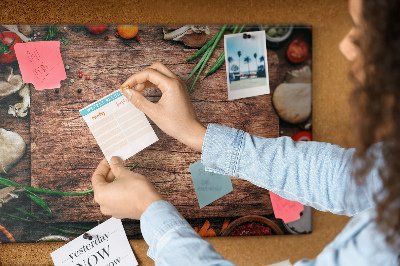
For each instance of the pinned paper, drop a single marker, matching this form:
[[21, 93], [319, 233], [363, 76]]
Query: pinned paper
[[107, 245], [118, 126], [41, 64], [284, 209], [209, 186]]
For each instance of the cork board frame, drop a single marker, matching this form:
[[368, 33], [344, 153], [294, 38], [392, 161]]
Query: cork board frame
[[330, 99]]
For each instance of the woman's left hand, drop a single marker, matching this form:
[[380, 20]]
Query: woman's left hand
[[128, 197]]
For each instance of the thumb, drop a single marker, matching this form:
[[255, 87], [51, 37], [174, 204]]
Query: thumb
[[139, 101], [116, 166]]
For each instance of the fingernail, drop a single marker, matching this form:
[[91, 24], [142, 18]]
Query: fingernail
[[115, 160], [128, 93]]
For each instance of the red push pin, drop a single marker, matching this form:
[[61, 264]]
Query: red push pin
[[87, 77], [80, 75]]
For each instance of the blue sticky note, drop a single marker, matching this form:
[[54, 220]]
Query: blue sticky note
[[209, 186]]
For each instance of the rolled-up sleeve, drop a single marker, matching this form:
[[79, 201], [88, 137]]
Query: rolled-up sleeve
[[313, 173], [172, 241]]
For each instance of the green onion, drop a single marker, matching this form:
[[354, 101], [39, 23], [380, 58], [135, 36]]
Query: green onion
[[210, 51], [9, 183], [204, 48], [133, 167], [21, 210], [38, 200], [30, 221], [199, 64], [62, 193], [221, 59]]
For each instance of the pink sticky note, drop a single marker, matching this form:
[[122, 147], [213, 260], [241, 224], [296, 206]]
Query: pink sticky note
[[41, 64], [284, 209]]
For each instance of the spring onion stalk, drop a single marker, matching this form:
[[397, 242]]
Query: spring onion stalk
[[210, 52]]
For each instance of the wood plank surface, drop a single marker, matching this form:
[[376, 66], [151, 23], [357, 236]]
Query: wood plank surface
[[65, 154]]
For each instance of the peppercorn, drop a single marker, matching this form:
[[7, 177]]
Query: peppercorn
[[57, 90], [79, 90]]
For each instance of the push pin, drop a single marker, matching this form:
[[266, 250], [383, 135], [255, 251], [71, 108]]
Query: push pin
[[125, 88], [88, 236], [246, 36]]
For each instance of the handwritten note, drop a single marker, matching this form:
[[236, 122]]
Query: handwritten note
[[209, 186], [108, 246], [118, 126], [284, 209], [41, 64]]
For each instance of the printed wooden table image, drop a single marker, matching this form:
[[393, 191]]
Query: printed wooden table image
[[61, 152]]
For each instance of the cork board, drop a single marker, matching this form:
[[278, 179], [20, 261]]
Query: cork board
[[330, 98]]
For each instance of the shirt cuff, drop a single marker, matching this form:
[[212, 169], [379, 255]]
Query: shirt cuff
[[221, 149], [159, 218]]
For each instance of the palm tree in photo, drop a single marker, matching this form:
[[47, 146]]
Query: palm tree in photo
[[239, 54], [262, 59], [255, 57], [230, 60], [247, 60]]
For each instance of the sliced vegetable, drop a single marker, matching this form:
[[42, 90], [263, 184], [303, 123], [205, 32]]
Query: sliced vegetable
[[8, 40], [204, 228], [302, 136]]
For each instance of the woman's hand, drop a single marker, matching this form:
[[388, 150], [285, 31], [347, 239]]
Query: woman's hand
[[127, 197], [173, 113]]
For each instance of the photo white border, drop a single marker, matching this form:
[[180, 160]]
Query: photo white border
[[247, 92]]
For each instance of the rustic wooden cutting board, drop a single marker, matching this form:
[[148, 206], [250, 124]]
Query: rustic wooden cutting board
[[65, 154]]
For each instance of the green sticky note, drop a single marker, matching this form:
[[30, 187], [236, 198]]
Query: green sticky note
[[209, 186]]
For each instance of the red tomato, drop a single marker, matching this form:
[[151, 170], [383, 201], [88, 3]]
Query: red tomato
[[96, 29], [7, 52], [297, 51], [302, 135]]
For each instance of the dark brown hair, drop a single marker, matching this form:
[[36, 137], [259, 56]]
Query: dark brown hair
[[375, 105]]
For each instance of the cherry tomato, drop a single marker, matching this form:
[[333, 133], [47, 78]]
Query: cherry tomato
[[297, 51], [302, 135], [96, 29], [7, 52]]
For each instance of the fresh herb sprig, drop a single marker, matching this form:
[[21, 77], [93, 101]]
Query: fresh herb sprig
[[53, 33]]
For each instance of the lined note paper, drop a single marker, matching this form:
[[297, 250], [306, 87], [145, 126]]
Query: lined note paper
[[118, 126]]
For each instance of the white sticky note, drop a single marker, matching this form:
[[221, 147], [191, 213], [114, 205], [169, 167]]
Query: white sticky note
[[118, 126], [109, 246]]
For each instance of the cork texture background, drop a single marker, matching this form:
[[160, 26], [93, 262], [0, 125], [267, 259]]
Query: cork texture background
[[331, 113]]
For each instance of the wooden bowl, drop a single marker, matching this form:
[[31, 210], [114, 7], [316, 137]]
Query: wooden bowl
[[252, 218]]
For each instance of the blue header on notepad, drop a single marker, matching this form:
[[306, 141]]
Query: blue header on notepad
[[100, 103]]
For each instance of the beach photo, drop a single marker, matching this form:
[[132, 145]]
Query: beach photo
[[247, 66]]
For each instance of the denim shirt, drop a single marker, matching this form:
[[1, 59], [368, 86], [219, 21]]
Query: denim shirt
[[312, 173]]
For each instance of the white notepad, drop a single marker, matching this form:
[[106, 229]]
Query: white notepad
[[118, 126]]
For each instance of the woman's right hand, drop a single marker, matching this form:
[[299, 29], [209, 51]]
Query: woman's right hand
[[173, 113]]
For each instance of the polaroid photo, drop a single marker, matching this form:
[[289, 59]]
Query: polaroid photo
[[246, 64]]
